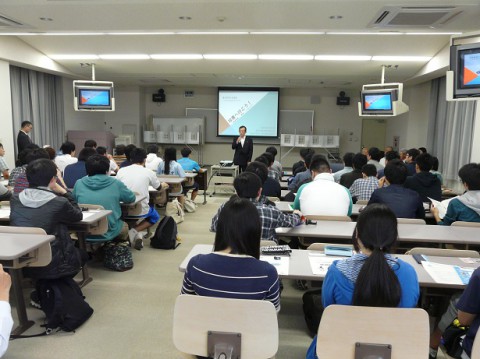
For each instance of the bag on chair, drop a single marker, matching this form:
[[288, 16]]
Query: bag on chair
[[165, 236], [190, 206], [175, 210]]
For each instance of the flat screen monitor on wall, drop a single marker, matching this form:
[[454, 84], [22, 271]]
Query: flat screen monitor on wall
[[93, 96], [255, 108], [465, 64], [378, 102]]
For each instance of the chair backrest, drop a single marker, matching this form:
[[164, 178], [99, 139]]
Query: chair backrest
[[44, 255], [411, 221], [321, 246], [194, 316], [466, 224], [440, 252], [476, 348], [406, 330], [266, 243], [362, 201], [102, 226], [329, 218], [273, 199]]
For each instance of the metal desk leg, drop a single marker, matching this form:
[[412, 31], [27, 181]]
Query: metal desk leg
[[83, 245], [24, 323]]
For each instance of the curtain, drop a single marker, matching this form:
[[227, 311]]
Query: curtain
[[38, 97], [450, 131]]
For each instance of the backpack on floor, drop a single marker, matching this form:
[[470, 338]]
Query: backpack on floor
[[165, 236], [312, 309], [117, 256], [63, 303]]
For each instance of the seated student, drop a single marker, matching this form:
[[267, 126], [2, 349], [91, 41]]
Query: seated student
[[422, 150], [403, 154], [119, 155], [276, 166], [128, 150], [301, 177], [300, 165], [426, 184], [372, 277], [6, 320], [234, 270], [270, 187], [435, 171], [374, 156], [137, 178], [248, 185], [323, 196], [90, 144], [410, 160], [67, 157], [47, 205], [100, 188], [347, 166], [21, 181], [271, 173], [465, 307], [51, 152], [101, 150], [404, 202], [192, 166], [358, 161], [362, 188], [153, 160], [467, 206], [3, 165], [389, 156], [72, 173], [21, 167], [384, 159]]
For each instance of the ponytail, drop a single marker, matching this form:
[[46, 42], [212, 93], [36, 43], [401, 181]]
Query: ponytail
[[377, 285]]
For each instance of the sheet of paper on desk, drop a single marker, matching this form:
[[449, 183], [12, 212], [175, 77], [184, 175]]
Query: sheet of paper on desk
[[320, 263], [4, 213], [448, 274], [88, 214], [281, 263]]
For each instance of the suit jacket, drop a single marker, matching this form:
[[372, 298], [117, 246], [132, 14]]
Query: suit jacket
[[22, 141], [404, 202], [243, 154]]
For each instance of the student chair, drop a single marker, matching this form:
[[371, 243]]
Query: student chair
[[411, 221], [476, 348], [440, 252], [466, 224], [344, 330], [321, 246], [225, 328], [102, 225], [362, 202]]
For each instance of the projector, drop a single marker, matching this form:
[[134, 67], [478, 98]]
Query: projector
[[226, 163]]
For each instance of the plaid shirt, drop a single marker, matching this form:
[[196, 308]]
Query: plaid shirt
[[363, 188], [274, 174], [17, 171], [271, 218]]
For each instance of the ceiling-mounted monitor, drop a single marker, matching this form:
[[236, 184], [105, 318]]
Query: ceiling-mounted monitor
[[382, 100], [93, 96]]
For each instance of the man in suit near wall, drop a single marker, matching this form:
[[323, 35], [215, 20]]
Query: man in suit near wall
[[243, 147], [22, 139]]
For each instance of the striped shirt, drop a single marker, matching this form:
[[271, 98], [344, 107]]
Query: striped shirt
[[232, 276], [271, 218]]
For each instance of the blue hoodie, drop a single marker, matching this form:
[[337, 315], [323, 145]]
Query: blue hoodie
[[108, 192]]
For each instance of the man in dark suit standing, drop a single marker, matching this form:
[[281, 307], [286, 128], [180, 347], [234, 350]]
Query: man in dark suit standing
[[22, 139], [243, 147]]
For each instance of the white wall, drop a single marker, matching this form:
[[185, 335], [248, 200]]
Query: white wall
[[7, 137], [476, 136]]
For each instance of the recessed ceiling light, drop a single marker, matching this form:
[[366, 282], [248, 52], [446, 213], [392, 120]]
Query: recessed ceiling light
[[124, 57], [287, 33], [74, 57], [212, 33], [364, 33], [230, 57], [286, 57], [46, 19], [402, 58], [176, 56], [185, 18], [343, 58], [335, 17]]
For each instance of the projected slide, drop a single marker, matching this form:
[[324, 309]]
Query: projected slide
[[471, 69], [257, 110], [378, 102], [95, 98]]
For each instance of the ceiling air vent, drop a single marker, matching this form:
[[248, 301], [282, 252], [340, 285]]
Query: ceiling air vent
[[7, 22], [414, 16]]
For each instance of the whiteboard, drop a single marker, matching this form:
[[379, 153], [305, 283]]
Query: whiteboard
[[290, 121]]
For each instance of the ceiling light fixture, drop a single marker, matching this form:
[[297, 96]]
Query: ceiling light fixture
[[176, 56], [141, 33], [230, 57], [212, 33], [402, 58], [286, 57], [364, 33], [287, 33], [74, 57], [343, 58], [433, 33], [124, 57]]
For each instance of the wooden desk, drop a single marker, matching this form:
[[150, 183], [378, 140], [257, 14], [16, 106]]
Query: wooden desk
[[342, 232], [134, 208], [18, 251], [299, 266]]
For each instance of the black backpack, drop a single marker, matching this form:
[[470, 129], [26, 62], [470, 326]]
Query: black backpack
[[63, 303], [312, 310], [165, 236]]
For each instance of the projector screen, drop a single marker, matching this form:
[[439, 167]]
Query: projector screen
[[254, 108]]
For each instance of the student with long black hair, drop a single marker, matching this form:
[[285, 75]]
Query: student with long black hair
[[234, 270], [372, 276]]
